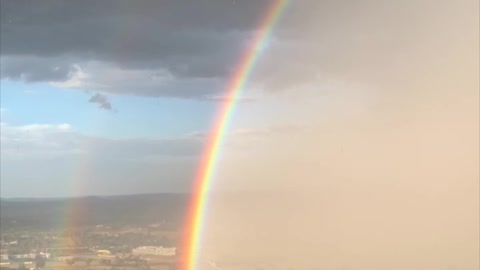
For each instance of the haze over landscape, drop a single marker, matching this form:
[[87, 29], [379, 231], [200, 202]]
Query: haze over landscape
[[354, 145]]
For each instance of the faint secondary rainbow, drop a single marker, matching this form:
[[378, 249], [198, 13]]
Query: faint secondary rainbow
[[206, 169]]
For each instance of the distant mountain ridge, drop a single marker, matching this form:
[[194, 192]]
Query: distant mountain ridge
[[91, 210], [88, 196]]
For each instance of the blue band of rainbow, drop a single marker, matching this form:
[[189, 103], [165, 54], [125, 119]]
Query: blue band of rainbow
[[206, 169]]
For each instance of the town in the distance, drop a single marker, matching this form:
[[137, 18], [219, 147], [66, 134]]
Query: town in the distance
[[117, 232]]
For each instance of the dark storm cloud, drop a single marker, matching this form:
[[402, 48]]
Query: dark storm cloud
[[190, 39], [390, 44], [102, 101], [35, 69], [196, 45]]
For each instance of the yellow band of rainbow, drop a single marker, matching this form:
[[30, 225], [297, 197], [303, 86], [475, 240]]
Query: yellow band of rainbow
[[206, 169]]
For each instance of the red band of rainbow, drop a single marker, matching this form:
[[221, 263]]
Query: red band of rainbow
[[206, 169]]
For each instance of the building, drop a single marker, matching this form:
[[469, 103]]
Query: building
[[103, 252], [152, 250], [45, 255], [25, 256]]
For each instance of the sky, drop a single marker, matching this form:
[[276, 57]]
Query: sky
[[359, 122], [114, 97], [101, 95]]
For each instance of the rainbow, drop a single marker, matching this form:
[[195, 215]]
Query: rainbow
[[206, 169]]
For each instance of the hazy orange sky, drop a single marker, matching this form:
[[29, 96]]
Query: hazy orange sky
[[386, 174]]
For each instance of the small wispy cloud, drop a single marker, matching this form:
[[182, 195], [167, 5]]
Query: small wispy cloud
[[102, 101], [251, 132], [226, 99]]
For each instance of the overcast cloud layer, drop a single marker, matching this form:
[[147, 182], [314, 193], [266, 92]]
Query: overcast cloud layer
[[189, 49], [169, 48]]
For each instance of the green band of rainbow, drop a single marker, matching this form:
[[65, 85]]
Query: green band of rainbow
[[206, 169]]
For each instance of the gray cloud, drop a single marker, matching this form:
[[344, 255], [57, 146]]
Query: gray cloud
[[102, 101], [107, 78], [226, 99], [35, 69], [56, 155], [189, 49], [393, 45], [40, 141], [191, 41]]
